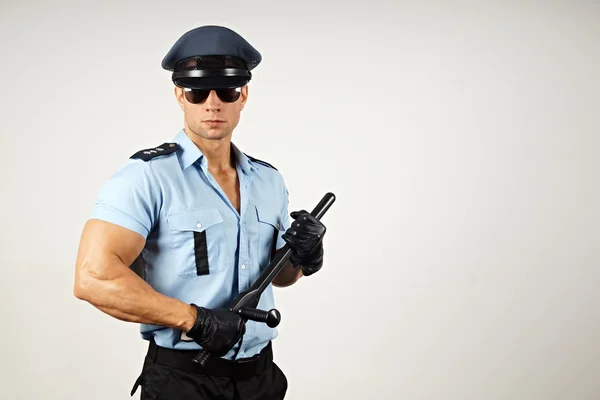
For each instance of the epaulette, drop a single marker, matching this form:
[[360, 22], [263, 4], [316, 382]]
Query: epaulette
[[163, 149], [256, 160]]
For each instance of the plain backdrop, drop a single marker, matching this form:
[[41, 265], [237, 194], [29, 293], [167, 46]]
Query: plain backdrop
[[461, 140]]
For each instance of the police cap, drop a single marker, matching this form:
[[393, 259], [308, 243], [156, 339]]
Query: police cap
[[211, 57]]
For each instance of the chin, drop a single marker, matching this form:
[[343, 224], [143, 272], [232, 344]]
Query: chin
[[215, 135], [211, 134]]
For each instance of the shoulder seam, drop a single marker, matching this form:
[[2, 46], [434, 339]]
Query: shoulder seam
[[261, 162]]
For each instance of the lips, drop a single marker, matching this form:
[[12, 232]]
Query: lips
[[213, 123]]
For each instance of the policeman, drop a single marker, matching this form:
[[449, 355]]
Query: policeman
[[182, 228]]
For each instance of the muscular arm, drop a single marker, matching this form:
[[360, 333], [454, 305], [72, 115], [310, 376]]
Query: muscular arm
[[103, 278]]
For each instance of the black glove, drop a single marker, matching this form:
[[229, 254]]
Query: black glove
[[305, 238], [217, 330]]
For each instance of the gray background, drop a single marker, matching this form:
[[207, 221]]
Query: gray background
[[461, 140]]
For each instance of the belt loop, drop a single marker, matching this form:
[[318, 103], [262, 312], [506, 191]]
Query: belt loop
[[152, 350]]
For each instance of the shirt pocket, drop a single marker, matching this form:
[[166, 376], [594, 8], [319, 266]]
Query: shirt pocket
[[199, 241], [269, 226]]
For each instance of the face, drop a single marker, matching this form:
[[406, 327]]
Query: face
[[212, 119]]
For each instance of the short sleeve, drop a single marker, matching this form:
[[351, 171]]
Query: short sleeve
[[130, 198], [285, 217]]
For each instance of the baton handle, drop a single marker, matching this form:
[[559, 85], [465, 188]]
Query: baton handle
[[271, 317], [202, 357]]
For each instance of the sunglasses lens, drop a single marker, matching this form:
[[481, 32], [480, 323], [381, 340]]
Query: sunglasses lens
[[196, 96], [229, 95]]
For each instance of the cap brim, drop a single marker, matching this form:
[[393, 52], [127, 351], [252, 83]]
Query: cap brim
[[213, 82]]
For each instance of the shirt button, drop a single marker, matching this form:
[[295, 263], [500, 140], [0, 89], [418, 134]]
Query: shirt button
[[198, 225], [243, 266]]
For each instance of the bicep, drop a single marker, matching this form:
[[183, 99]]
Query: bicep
[[106, 248]]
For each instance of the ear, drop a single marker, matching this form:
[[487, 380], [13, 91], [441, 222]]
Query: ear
[[244, 96], [179, 97]]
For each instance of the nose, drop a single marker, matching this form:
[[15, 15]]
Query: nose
[[212, 103]]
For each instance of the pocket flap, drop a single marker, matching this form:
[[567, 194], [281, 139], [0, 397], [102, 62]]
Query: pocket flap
[[267, 216], [194, 220]]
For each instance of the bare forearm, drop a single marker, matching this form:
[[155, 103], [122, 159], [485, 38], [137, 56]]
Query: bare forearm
[[129, 298], [288, 275]]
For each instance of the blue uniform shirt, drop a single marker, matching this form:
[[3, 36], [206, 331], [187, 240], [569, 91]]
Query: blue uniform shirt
[[199, 249]]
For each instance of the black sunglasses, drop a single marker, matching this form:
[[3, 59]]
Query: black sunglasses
[[198, 96]]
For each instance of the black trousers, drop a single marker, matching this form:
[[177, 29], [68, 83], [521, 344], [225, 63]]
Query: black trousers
[[172, 375]]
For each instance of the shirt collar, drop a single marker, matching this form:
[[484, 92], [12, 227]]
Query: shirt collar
[[191, 153], [242, 160]]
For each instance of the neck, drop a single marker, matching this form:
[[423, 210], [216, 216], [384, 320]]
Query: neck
[[217, 152]]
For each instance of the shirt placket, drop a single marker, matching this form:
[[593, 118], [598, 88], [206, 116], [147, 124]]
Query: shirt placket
[[244, 262]]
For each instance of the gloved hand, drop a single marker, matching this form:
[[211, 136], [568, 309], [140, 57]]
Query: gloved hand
[[217, 330], [305, 237]]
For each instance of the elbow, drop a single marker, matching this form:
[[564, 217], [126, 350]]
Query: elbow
[[89, 289], [86, 283], [81, 288]]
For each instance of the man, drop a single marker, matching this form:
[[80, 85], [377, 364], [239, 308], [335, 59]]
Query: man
[[184, 227]]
